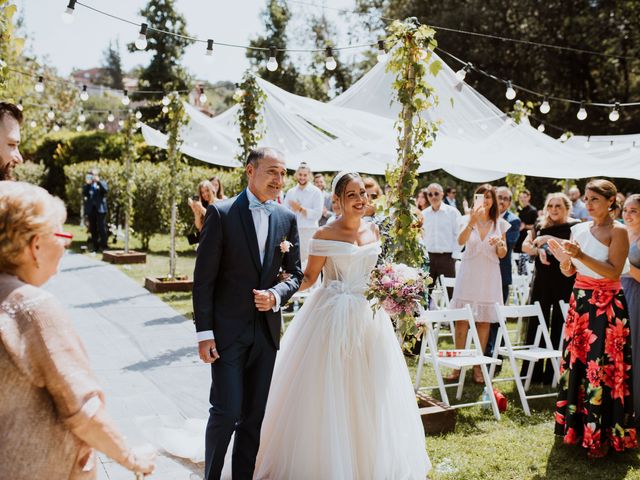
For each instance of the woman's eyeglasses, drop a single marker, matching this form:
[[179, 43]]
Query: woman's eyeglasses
[[433, 194]]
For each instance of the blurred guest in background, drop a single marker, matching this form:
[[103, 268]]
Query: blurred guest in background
[[319, 181], [218, 188], [528, 215], [422, 202], [51, 405], [206, 196], [450, 197], [94, 193], [578, 208]]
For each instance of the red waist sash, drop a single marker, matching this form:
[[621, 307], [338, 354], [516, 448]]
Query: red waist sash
[[589, 283]]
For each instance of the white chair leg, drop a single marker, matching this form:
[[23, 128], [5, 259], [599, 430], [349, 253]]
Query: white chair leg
[[423, 347], [441, 387], [492, 397], [521, 392], [463, 374], [556, 371], [530, 368]]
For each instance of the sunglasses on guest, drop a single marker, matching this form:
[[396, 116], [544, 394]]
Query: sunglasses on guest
[[65, 236], [433, 194]]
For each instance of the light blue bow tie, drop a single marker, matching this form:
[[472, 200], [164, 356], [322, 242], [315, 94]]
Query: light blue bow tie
[[268, 207]]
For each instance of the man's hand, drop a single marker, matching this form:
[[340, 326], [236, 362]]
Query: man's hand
[[264, 299], [295, 206], [208, 351]]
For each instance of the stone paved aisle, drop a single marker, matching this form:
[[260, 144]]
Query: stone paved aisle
[[142, 350]]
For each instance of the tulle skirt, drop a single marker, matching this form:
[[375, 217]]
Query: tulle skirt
[[341, 404]]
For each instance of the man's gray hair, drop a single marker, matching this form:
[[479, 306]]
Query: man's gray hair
[[435, 185], [258, 154], [504, 189]]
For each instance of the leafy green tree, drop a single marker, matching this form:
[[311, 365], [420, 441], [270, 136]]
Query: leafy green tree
[[112, 63], [276, 17]]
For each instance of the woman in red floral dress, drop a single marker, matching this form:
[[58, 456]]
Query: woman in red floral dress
[[595, 406]]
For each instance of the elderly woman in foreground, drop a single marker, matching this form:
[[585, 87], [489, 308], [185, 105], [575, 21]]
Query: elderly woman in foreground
[[51, 406]]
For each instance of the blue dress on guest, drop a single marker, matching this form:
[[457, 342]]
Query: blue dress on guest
[[631, 289]]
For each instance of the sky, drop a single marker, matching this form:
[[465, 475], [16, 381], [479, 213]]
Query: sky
[[81, 44]]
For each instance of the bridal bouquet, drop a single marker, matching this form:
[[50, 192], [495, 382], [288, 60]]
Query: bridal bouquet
[[401, 291]]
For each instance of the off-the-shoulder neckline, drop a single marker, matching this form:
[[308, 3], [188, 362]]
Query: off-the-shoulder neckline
[[346, 243]]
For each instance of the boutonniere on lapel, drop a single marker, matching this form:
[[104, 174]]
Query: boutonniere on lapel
[[285, 245]]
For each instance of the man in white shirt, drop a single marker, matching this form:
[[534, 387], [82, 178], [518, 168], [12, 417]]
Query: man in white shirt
[[440, 233], [327, 212], [306, 201]]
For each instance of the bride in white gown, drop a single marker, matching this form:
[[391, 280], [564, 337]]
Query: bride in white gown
[[341, 403]]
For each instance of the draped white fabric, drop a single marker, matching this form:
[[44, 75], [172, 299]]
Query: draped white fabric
[[475, 142]]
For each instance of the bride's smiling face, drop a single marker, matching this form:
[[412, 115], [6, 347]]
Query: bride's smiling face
[[354, 199]]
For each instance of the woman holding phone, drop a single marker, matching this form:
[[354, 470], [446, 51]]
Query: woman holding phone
[[478, 282]]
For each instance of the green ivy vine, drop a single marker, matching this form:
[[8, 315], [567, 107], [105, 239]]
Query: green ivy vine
[[411, 50]]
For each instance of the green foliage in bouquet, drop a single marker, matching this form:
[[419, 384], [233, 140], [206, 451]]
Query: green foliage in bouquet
[[411, 61]]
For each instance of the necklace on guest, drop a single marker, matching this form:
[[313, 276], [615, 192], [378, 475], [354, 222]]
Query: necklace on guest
[[484, 224]]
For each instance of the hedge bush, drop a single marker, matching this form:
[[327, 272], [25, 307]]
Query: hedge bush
[[150, 202], [31, 172]]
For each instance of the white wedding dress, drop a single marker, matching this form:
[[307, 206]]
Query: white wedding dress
[[341, 404]]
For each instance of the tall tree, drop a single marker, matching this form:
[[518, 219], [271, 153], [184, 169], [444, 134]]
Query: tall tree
[[112, 63], [276, 17], [164, 72]]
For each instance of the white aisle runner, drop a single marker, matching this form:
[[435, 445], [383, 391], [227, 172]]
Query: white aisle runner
[[142, 350]]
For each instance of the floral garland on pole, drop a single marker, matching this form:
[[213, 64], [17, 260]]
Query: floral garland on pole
[[129, 152], [251, 99], [411, 62], [516, 182], [176, 117]]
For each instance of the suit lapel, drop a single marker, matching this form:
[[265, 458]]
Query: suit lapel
[[249, 228], [271, 239]]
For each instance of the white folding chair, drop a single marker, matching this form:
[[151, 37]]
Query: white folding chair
[[472, 355], [442, 301], [531, 353], [445, 283]]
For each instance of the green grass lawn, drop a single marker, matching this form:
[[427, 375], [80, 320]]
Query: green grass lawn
[[516, 448]]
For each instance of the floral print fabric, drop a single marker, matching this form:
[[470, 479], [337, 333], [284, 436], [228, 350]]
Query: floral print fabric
[[594, 403]]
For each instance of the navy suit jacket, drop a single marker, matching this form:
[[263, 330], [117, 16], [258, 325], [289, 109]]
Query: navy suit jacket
[[95, 199], [512, 238], [228, 268]]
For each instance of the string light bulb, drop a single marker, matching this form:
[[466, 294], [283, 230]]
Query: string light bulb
[[79, 128], [101, 126], [67, 15], [615, 114], [582, 113], [541, 128], [51, 114], [544, 106], [462, 73], [564, 137], [165, 109], [121, 123], [141, 41], [110, 117], [84, 95], [510, 93], [382, 52], [330, 62], [33, 124], [19, 105], [165, 101], [39, 87], [56, 128], [125, 99], [138, 114], [203, 96], [209, 53], [272, 64], [81, 117]]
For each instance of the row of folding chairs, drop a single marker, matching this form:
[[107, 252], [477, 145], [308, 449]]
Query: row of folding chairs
[[472, 354]]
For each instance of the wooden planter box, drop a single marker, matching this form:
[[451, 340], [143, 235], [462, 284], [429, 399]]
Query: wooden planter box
[[436, 417], [119, 257], [162, 285]]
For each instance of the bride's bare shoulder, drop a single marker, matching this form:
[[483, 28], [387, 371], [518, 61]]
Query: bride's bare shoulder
[[326, 232]]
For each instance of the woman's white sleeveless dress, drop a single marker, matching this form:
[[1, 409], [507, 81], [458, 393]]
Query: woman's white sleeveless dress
[[341, 404]]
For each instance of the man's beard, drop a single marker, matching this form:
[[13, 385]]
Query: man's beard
[[6, 172]]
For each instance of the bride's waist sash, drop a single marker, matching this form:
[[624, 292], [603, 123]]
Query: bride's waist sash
[[340, 287]]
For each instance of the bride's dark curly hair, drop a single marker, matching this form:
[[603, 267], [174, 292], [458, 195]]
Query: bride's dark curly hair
[[343, 181]]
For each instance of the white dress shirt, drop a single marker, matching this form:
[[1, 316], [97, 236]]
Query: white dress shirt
[[440, 230], [261, 224], [311, 199]]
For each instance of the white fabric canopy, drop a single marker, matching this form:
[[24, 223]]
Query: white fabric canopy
[[475, 142]]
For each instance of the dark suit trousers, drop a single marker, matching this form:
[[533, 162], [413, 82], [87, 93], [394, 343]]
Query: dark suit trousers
[[240, 381], [98, 229], [441, 264]]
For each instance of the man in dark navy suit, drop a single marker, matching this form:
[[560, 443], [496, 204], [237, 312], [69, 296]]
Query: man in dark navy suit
[[245, 243]]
